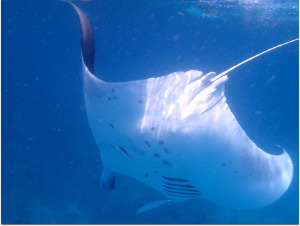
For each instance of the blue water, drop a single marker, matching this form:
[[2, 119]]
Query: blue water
[[50, 165]]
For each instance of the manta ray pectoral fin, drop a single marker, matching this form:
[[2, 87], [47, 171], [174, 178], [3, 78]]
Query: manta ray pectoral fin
[[108, 179], [151, 205]]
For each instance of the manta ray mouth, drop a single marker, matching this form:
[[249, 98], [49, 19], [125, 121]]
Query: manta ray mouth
[[205, 85]]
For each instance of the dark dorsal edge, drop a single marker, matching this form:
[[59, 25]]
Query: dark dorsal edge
[[87, 39]]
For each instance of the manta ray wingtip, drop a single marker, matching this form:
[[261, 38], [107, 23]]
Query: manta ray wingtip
[[87, 38]]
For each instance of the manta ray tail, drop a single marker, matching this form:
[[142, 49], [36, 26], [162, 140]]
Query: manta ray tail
[[251, 58]]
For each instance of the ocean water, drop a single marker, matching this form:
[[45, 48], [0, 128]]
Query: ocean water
[[50, 164]]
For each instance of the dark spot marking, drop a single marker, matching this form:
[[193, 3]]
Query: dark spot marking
[[108, 98], [235, 171], [98, 96], [129, 140], [223, 164], [156, 155], [115, 97], [250, 175], [161, 142], [175, 179], [152, 128], [147, 144], [163, 119], [113, 90], [146, 174], [140, 101], [156, 172], [112, 146], [122, 149], [112, 126], [166, 150], [167, 163]]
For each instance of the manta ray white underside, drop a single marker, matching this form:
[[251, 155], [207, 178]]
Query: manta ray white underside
[[177, 135]]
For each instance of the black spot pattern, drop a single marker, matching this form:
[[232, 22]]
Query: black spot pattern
[[113, 90], [166, 150], [156, 155], [108, 98], [223, 164], [115, 97], [152, 128], [161, 142], [146, 174], [140, 101], [122, 149], [112, 126]]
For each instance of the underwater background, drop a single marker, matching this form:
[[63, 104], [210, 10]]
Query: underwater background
[[50, 164]]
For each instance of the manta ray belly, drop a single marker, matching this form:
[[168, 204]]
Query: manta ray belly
[[142, 133]]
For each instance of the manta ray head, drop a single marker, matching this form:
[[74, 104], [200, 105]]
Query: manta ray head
[[175, 101]]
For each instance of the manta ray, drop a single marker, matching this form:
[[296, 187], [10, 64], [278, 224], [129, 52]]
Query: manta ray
[[177, 135]]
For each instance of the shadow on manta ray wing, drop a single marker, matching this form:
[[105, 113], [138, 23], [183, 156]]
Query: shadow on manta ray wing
[[177, 135]]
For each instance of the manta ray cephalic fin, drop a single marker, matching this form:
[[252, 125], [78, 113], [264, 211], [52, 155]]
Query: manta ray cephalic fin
[[108, 179]]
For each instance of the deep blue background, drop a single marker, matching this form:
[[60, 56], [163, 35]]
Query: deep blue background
[[50, 165]]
